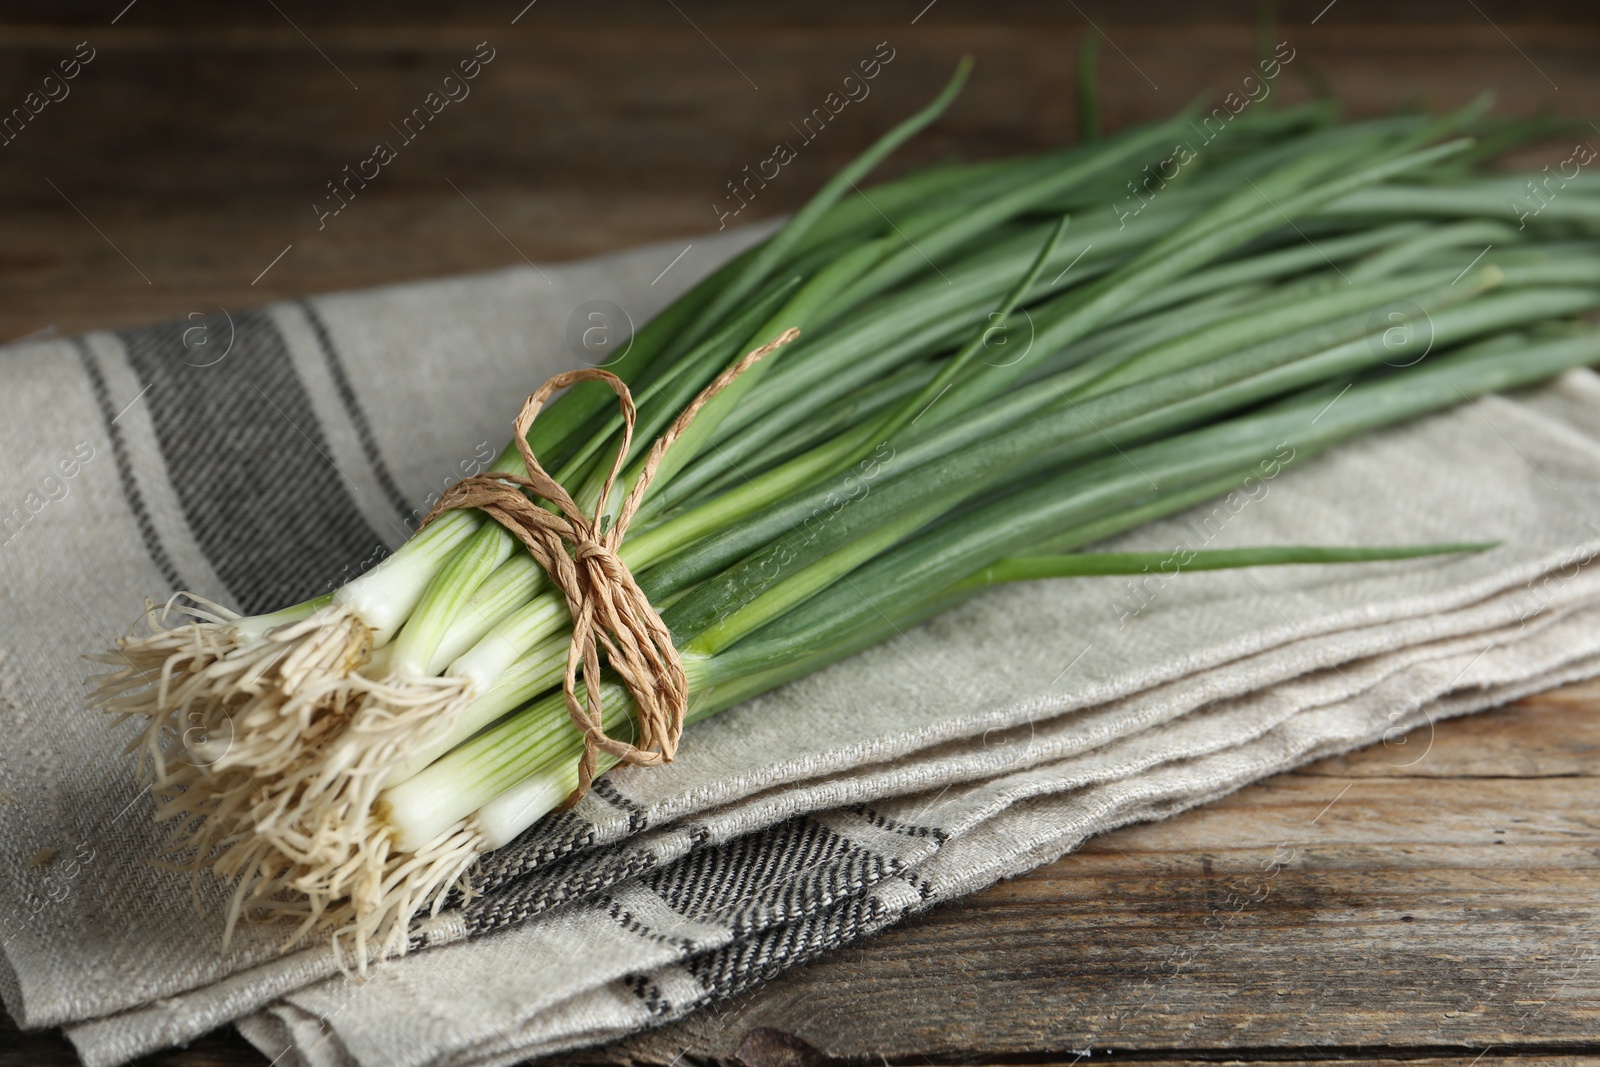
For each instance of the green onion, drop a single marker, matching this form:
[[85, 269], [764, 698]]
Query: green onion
[[997, 368]]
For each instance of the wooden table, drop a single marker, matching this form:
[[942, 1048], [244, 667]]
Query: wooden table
[[1445, 913]]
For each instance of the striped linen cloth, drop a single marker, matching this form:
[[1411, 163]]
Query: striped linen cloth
[[263, 457]]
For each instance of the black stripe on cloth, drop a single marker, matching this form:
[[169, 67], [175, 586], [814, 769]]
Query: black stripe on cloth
[[852, 874], [249, 463], [794, 868], [552, 838], [504, 900], [894, 826], [130, 485], [647, 991], [620, 914], [750, 961], [637, 819], [356, 414], [764, 878], [577, 878]]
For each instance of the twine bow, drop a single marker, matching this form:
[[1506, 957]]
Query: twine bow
[[579, 553]]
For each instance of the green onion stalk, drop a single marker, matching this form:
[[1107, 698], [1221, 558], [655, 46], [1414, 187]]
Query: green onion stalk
[[997, 365]]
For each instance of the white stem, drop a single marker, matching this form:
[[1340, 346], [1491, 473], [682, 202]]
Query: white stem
[[254, 627], [510, 813], [510, 639], [381, 663], [447, 595], [527, 678], [513, 585], [385, 596]]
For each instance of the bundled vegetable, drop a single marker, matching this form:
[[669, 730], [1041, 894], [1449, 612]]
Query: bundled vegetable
[[904, 396]]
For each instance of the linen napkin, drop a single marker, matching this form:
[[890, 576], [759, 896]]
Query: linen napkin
[[441, 1004], [273, 454]]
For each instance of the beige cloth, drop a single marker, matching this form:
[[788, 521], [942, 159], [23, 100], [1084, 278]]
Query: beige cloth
[[1002, 732]]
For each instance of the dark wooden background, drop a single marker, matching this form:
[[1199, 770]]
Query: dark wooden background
[[1445, 913]]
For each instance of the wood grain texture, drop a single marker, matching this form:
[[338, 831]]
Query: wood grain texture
[[191, 150], [1428, 914]]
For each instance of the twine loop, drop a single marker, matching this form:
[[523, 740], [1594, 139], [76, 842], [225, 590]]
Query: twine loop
[[579, 553]]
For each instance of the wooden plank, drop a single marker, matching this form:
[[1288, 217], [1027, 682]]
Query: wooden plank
[[195, 152], [50, 1049]]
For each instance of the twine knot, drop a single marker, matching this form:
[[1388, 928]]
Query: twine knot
[[579, 553]]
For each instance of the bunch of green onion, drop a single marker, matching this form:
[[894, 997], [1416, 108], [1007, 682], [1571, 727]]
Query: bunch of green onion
[[345, 760]]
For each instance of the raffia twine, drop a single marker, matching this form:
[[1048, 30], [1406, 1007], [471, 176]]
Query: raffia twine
[[579, 553]]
